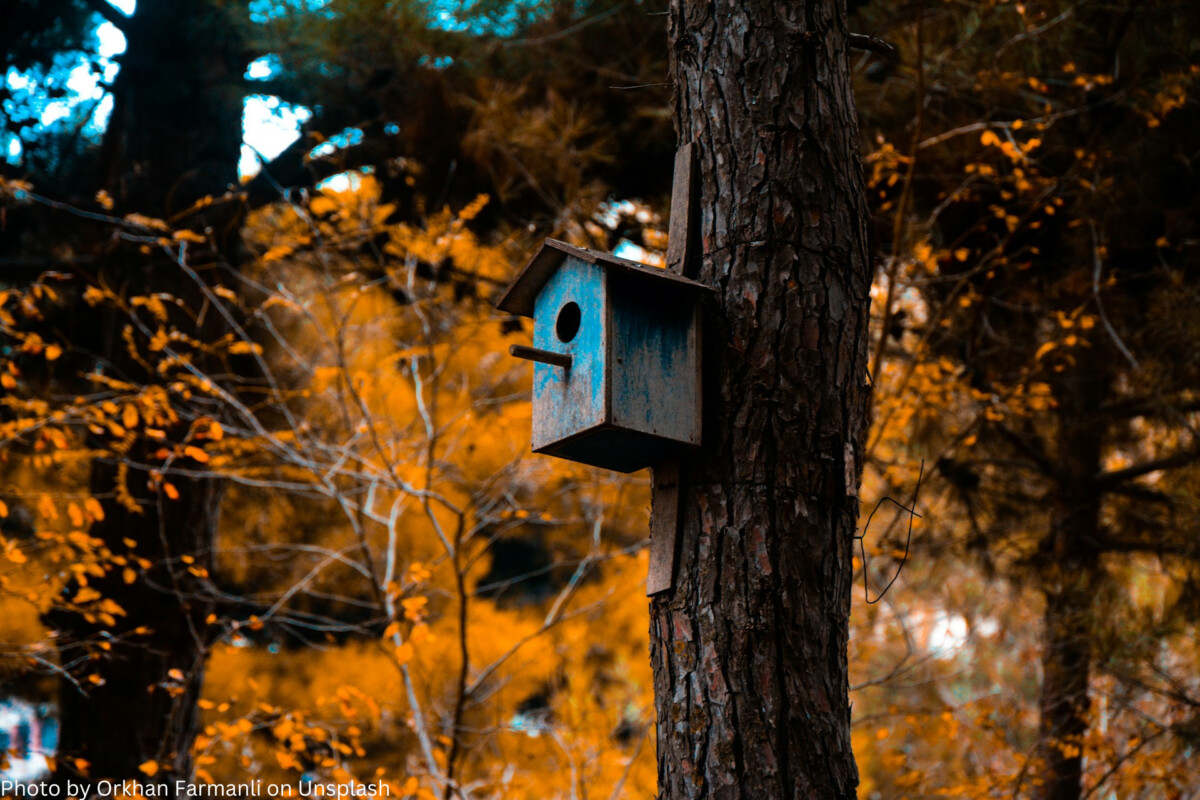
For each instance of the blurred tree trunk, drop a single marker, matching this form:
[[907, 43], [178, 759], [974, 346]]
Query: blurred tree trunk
[[145, 707], [1073, 575], [174, 137], [749, 649]]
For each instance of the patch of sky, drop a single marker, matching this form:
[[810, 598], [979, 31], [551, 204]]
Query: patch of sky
[[269, 126], [437, 62], [346, 181], [339, 141], [263, 11], [635, 252], [264, 68], [71, 94], [474, 16]]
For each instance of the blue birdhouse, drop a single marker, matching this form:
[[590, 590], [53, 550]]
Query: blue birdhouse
[[616, 378]]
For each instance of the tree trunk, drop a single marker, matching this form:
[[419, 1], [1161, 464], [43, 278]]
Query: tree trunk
[[145, 707], [1070, 585], [1066, 667], [749, 649], [173, 138]]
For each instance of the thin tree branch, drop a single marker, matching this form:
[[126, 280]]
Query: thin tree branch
[[1107, 480], [109, 12]]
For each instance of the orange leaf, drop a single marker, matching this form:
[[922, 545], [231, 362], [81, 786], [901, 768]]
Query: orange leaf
[[196, 454]]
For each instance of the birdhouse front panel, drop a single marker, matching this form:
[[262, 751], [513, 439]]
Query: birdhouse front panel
[[569, 318]]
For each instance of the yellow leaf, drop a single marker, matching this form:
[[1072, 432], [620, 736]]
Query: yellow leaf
[[75, 515], [196, 454], [143, 221], [129, 575], [414, 607], [86, 595], [962, 253], [170, 491], [53, 352], [1041, 351], [322, 205], [150, 768], [94, 509], [46, 508], [989, 138], [190, 236], [277, 252], [159, 340], [3, 509], [129, 416]]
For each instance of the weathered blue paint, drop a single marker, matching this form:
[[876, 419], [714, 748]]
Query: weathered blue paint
[[631, 397], [566, 402], [655, 356]]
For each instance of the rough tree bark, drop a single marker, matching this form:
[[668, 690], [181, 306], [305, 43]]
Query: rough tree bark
[[749, 649]]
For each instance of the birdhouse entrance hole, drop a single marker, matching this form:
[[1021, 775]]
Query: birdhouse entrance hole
[[568, 322]]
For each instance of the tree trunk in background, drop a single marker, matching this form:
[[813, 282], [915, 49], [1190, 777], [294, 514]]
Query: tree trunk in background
[[145, 709], [1070, 584], [749, 649], [174, 137]]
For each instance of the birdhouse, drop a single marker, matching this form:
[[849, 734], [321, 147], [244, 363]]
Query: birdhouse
[[616, 378]]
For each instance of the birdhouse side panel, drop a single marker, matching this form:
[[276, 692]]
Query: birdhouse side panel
[[569, 317], [655, 361]]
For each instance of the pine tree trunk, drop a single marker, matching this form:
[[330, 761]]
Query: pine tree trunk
[[749, 649]]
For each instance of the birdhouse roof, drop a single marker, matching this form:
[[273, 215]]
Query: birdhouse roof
[[520, 297]]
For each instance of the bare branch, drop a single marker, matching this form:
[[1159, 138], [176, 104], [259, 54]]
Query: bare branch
[[1106, 481], [109, 12]]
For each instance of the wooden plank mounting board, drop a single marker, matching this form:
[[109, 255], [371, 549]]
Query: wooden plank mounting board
[[682, 252], [682, 231], [664, 527]]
